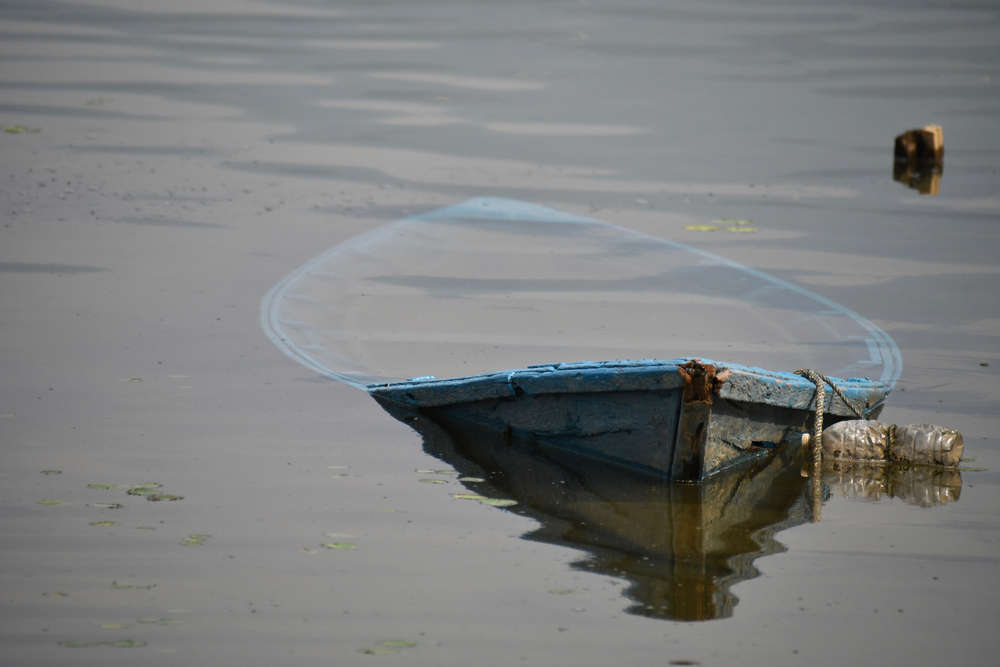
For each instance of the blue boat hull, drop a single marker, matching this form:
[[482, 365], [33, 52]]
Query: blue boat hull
[[681, 419]]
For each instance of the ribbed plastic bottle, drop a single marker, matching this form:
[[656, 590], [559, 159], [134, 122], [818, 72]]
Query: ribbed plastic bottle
[[865, 440]]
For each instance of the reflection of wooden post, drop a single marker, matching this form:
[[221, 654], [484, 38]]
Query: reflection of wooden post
[[919, 159]]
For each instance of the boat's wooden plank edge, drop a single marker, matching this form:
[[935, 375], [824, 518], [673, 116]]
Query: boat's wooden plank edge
[[787, 390], [740, 383]]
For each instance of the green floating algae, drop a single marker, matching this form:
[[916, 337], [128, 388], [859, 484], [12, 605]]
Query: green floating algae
[[157, 621], [51, 502], [498, 502], [156, 497], [52, 472], [104, 523], [194, 540], [562, 591], [112, 626], [387, 646], [102, 486], [432, 481], [143, 489], [724, 224], [494, 502], [149, 492], [344, 546], [471, 479], [131, 587], [19, 129], [121, 643], [107, 506]]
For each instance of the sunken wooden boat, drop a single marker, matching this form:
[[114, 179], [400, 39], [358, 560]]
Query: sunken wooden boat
[[494, 283], [680, 419]]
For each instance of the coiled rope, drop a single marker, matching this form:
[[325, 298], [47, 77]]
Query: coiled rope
[[821, 381]]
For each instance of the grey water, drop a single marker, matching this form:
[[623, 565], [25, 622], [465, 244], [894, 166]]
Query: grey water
[[166, 165]]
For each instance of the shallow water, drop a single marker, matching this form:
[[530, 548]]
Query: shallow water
[[186, 160]]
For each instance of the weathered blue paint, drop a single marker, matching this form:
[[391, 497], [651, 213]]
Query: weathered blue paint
[[684, 419], [742, 383]]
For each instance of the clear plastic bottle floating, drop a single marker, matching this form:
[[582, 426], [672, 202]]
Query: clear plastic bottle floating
[[864, 440]]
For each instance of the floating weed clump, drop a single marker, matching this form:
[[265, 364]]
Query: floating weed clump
[[391, 646], [51, 502], [19, 129], [194, 540], [432, 481], [149, 492], [156, 497], [471, 479], [157, 621], [562, 591], [427, 471], [52, 472], [107, 506], [112, 626], [724, 224], [121, 643], [104, 523], [143, 489], [101, 486], [343, 546], [131, 587]]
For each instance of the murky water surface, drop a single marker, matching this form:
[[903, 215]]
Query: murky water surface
[[165, 168]]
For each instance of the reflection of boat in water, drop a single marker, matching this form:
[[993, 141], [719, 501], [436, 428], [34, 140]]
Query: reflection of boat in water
[[488, 284], [681, 546]]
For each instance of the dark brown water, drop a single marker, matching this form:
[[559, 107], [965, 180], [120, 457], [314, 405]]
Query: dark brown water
[[165, 168]]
